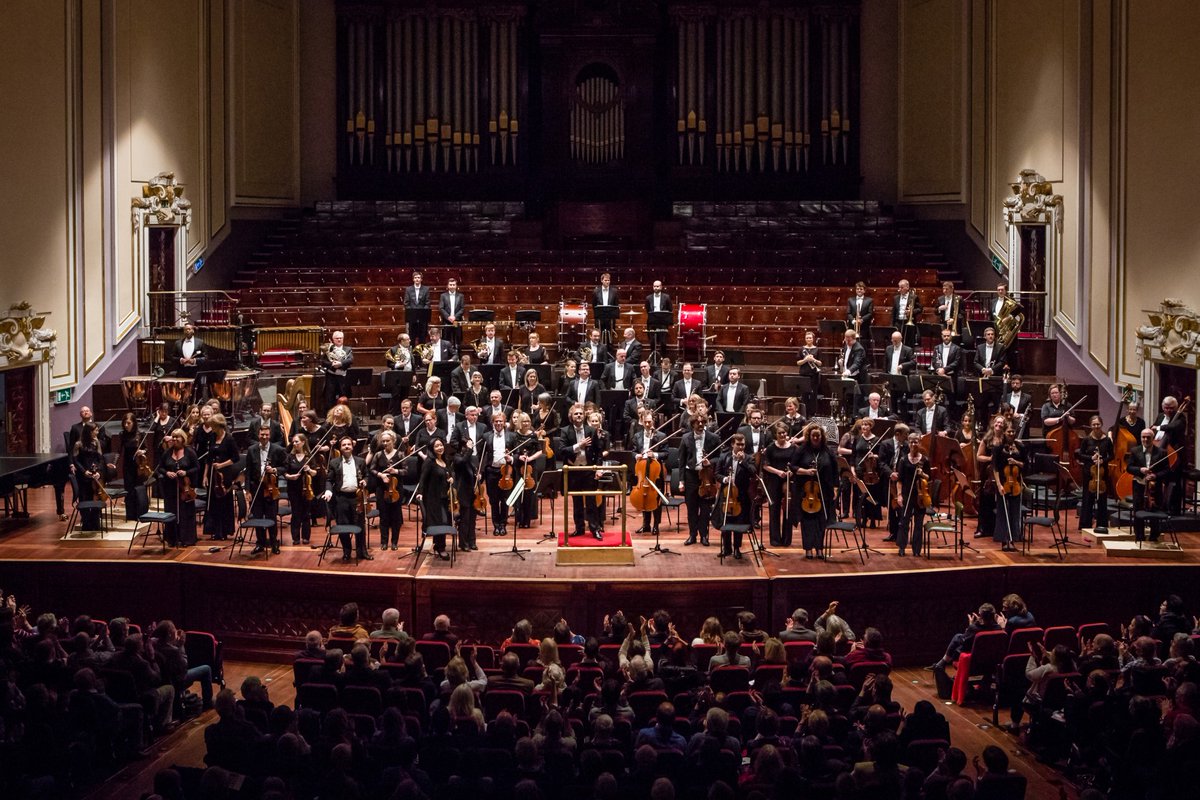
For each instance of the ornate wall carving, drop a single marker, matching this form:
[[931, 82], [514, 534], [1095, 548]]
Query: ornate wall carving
[[1173, 334], [24, 339]]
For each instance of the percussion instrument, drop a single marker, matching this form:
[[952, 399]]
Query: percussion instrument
[[175, 390], [238, 385], [692, 321], [572, 322], [572, 314], [138, 390]]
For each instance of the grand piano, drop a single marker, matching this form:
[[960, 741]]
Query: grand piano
[[18, 474]]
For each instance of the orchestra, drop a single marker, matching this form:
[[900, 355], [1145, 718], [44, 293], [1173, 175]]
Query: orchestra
[[711, 439]]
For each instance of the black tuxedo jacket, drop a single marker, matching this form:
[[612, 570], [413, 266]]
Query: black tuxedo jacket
[[631, 408], [908, 361], [765, 437], [510, 381], [1023, 401], [461, 433], [460, 381], [680, 392], [654, 387], [657, 442], [914, 308], [333, 483], [197, 353], [883, 413], [687, 449], [347, 361], [741, 396], [997, 362], [939, 420], [447, 308], [856, 364], [614, 298], [415, 298], [497, 356], [951, 364], [591, 394], [713, 374], [633, 352], [610, 377], [276, 457], [666, 306], [486, 413], [568, 440], [867, 314]]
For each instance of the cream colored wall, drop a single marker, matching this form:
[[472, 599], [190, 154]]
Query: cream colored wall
[[931, 93], [154, 77]]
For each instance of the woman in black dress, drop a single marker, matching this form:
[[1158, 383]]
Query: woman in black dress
[[432, 399], [433, 493], [536, 354], [384, 466], [89, 473], [570, 373], [222, 468], [817, 471], [477, 395], [294, 470], [866, 446], [527, 451], [986, 523], [339, 422], [178, 476], [531, 390], [779, 458], [136, 500]]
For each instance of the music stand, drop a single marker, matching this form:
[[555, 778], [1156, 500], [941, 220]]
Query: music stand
[[982, 390], [605, 317], [485, 315], [611, 399], [930, 330], [833, 327], [724, 420], [843, 389], [491, 375], [882, 335], [920, 382], [526, 317], [547, 486], [544, 372], [658, 324], [799, 385]]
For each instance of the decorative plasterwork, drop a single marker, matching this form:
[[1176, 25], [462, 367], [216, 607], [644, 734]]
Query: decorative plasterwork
[[1173, 334], [24, 339], [1033, 201], [162, 203]]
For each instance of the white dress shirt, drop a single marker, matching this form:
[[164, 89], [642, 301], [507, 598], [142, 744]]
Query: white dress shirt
[[656, 302], [498, 449], [349, 475], [730, 395], [895, 369], [188, 347]]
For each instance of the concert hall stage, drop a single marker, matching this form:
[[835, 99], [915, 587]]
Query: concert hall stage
[[262, 607]]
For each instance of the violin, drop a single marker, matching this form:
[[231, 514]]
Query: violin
[[527, 476], [392, 493], [729, 503], [270, 485], [101, 494], [811, 502], [1097, 484], [219, 489], [708, 482], [1012, 480], [187, 492], [143, 466], [923, 490], [506, 478], [306, 487], [453, 498], [870, 465]]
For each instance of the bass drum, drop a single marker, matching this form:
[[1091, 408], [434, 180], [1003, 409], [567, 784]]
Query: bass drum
[[692, 320], [572, 314]]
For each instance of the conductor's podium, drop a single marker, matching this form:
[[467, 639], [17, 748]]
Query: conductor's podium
[[614, 548]]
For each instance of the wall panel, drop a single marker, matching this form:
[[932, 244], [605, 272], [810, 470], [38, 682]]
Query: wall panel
[[265, 96], [1100, 223], [931, 101]]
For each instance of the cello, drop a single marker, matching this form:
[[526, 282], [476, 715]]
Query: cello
[[644, 496], [1123, 441]]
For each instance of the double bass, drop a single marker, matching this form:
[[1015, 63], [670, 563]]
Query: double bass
[[1063, 441], [1123, 441]]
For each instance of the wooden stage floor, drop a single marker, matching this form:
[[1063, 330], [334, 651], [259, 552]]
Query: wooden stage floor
[[262, 607]]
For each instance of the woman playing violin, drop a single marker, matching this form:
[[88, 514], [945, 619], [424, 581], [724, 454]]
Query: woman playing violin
[[223, 457], [136, 501], [1095, 450], [176, 465], [779, 458], [864, 467], [1008, 462], [912, 470], [531, 390], [294, 470], [530, 462], [385, 466], [985, 525], [817, 471]]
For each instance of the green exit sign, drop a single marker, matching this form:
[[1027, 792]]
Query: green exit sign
[[63, 395]]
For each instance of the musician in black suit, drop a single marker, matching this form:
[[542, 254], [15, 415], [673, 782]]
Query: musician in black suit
[[755, 433], [460, 377], [491, 349], [949, 308], [599, 350], [187, 354], [989, 355], [605, 295], [581, 447], [686, 386], [513, 374], [266, 417], [874, 409], [716, 374], [655, 388], [1142, 461], [697, 450], [452, 307], [347, 474], [583, 389], [631, 346], [1001, 299], [468, 447], [495, 407], [659, 301], [860, 308], [439, 349], [930, 418], [947, 357], [635, 405], [1170, 432], [899, 358], [416, 309], [733, 396], [854, 359], [450, 417], [891, 452], [336, 360], [1019, 402], [619, 374], [647, 443], [264, 461], [498, 447], [906, 309]]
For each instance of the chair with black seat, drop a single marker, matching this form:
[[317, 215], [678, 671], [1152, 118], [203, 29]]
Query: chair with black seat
[[847, 531], [302, 668], [1051, 522], [644, 704], [80, 506], [204, 649], [333, 533], [1152, 521], [449, 531], [674, 502], [255, 524], [320, 697], [154, 522], [436, 654], [362, 700]]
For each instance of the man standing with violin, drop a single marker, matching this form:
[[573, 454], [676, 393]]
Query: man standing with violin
[[347, 475], [736, 472], [264, 460], [1094, 454], [890, 453], [500, 443], [696, 450], [468, 453], [1148, 465], [1169, 434], [649, 450]]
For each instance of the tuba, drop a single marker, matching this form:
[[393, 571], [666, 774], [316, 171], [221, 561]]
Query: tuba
[[1009, 321]]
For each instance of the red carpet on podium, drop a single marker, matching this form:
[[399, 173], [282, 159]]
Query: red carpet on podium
[[612, 538]]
